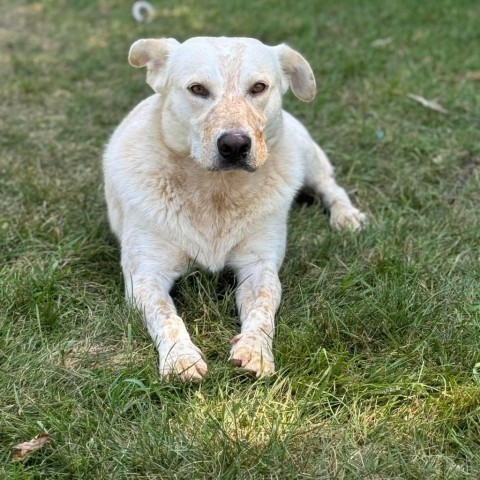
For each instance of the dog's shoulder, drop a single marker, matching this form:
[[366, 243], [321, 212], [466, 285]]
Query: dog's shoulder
[[136, 129]]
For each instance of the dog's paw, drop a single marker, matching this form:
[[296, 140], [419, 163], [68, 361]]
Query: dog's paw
[[182, 360], [253, 352], [347, 217]]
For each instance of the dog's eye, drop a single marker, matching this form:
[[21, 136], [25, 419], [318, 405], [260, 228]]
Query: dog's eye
[[200, 90], [259, 87]]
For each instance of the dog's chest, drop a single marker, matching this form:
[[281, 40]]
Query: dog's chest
[[206, 220]]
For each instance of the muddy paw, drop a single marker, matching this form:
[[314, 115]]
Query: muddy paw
[[253, 353], [182, 360]]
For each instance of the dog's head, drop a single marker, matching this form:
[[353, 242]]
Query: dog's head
[[222, 96]]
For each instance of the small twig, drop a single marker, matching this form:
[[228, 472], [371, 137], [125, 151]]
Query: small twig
[[431, 104]]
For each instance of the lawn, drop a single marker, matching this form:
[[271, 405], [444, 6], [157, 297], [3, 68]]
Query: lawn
[[377, 345]]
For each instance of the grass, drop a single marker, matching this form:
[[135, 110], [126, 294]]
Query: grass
[[378, 334]]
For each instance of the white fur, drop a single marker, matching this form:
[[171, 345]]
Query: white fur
[[170, 211]]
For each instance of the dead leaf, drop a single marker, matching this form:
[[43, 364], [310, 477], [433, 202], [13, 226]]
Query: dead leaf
[[381, 42], [431, 104], [474, 76], [23, 450]]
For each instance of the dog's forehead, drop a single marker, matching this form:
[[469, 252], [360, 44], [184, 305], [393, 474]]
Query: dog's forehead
[[220, 55]]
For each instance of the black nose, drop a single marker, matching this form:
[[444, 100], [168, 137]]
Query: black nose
[[234, 146]]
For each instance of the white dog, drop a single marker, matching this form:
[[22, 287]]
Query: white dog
[[203, 173]]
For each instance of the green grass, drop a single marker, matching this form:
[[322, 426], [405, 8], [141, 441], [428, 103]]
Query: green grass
[[378, 334]]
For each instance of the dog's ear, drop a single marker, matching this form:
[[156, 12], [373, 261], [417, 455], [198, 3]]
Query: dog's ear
[[152, 53], [298, 72]]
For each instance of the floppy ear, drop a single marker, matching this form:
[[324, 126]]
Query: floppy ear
[[152, 53], [298, 72]]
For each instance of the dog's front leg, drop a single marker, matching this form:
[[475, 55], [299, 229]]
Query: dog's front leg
[[319, 177], [258, 297], [150, 270]]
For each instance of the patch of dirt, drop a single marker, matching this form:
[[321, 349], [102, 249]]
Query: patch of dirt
[[94, 356]]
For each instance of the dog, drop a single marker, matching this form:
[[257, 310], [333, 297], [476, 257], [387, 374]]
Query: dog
[[203, 173]]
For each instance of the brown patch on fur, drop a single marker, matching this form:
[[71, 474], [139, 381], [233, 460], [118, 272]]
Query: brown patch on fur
[[233, 113], [218, 201], [265, 294], [266, 328], [163, 307], [172, 328], [172, 325]]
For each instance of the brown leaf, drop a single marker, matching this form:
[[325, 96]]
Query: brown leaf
[[23, 450], [474, 76]]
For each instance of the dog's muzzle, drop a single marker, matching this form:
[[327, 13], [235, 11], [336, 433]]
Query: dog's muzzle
[[234, 150]]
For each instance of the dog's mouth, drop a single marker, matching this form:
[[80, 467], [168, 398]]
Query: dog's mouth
[[225, 166]]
